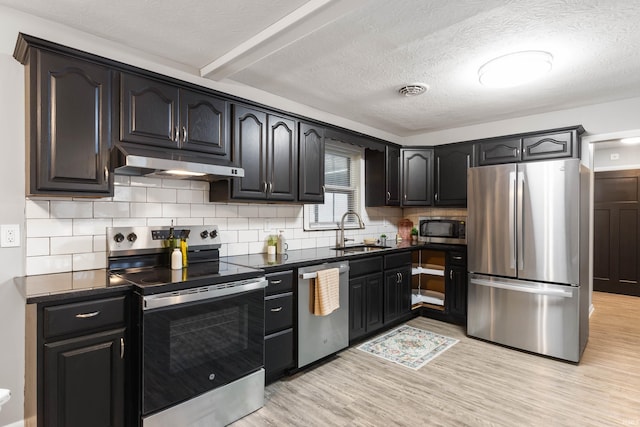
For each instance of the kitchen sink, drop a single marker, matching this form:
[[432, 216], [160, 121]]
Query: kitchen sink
[[360, 248]]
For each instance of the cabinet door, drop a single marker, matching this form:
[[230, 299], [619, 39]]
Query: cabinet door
[[392, 295], [311, 163], [501, 151], [452, 163], [456, 294], [548, 146], [70, 129], [357, 312], [278, 354], [148, 111], [417, 177], [204, 123], [404, 291], [282, 159], [373, 302], [250, 148], [84, 380], [392, 169]]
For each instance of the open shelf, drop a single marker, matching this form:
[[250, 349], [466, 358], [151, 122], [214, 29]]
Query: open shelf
[[427, 279]]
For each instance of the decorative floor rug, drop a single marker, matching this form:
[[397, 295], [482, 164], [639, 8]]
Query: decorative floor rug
[[408, 346]]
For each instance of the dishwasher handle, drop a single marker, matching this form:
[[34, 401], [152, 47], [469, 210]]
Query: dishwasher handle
[[313, 275]]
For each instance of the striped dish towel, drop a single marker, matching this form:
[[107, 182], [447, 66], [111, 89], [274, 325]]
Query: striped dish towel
[[327, 292]]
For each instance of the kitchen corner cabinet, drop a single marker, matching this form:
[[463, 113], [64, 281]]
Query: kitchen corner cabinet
[[82, 363], [365, 297], [265, 146], [397, 286], [69, 128], [451, 164], [382, 177], [311, 163], [278, 340], [417, 176], [166, 116]]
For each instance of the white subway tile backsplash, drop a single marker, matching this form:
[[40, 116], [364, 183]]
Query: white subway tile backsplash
[[237, 249], [152, 222], [297, 222], [207, 210], [146, 210], [324, 241], [256, 223], [174, 210], [248, 211], [121, 180], [190, 196], [162, 195], [143, 181], [247, 235], [89, 261], [37, 246], [84, 227], [99, 244], [229, 236], [129, 222], [49, 227], [48, 264], [227, 211], [82, 209], [129, 194], [238, 223], [288, 211], [220, 222], [111, 209], [268, 211], [257, 247], [71, 245], [190, 221], [200, 185], [176, 183], [36, 208]]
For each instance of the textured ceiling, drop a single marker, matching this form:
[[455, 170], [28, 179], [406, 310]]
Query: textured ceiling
[[350, 62]]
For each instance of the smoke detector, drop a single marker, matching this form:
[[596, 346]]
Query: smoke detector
[[413, 89]]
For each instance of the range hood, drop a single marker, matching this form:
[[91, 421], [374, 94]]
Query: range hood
[[138, 160]]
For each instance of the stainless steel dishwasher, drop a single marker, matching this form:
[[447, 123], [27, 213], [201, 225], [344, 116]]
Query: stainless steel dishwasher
[[321, 336]]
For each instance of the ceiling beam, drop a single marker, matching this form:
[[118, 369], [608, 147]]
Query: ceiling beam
[[303, 21]]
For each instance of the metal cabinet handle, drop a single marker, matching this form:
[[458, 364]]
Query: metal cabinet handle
[[270, 187], [276, 309], [176, 138], [451, 274], [106, 173], [456, 257], [87, 315], [184, 134], [401, 277], [438, 176], [275, 282], [388, 195], [468, 161], [121, 348], [324, 189], [265, 187]]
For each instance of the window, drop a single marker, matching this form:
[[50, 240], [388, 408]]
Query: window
[[342, 166]]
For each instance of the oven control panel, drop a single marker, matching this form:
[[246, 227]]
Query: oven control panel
[[122, 240]]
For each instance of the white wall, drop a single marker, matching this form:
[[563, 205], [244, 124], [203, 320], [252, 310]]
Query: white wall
[[624, 157]]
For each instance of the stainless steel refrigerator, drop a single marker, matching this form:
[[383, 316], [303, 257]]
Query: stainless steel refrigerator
[[527, 237]]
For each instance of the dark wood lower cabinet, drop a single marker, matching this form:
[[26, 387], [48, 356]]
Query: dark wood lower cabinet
[[397, 293], [84, 381], [278, 323], [365, 305], [278, 354]]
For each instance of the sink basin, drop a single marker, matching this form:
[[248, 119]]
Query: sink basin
[[360, 248]]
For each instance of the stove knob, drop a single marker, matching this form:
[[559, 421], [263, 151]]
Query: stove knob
[[132, 237], [204, 234], [213, 234], [118, 237]]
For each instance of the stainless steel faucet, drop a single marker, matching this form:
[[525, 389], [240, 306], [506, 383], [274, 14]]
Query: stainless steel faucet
[[342, 240]]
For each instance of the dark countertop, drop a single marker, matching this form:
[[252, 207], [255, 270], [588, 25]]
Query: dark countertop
[[59, 286]]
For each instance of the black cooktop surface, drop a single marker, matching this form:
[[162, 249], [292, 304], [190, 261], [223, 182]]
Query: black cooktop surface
[[153, 280]]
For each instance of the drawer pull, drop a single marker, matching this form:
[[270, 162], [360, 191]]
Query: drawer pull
[[275, 282], [121, 348], [457, 257], [87, 315], [276, 309]]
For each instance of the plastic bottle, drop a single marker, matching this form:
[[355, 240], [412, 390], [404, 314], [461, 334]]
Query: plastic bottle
[[281, 245], [176, 259]]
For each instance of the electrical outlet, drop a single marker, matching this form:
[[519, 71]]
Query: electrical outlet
[[9, 235], [614, 156]]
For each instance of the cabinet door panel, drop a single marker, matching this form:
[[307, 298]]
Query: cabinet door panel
[[204, 123], [452, 163], [282, 159], [417, 177], [357, 320], [311, 164], [148, 111], [393, 176], [391, 296], [501, 151], [549, 146], [84, 381], [373, 302], [71, 126], [249, 144]]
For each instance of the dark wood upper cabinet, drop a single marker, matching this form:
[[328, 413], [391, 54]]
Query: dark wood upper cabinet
[[500, 151], [311, 163], [265, 146], [548, 146], [417, 176], [69, 131], [382, 177], [204, 123], [452, 162]]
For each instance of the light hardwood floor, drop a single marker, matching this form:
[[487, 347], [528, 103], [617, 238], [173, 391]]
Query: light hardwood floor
[[474, 383]]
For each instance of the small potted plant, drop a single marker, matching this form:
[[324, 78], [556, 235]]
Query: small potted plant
[[383, 239], [272, 240], [414, 235]]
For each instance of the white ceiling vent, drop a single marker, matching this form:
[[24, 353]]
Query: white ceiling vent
[[413, 89]]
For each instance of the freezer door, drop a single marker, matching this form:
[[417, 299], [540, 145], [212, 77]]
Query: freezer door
[[537, 317], [548, 226], [491, 238]]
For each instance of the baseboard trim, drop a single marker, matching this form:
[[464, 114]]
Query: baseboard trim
[[16, 424]]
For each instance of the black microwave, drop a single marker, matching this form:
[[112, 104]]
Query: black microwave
[[443, 230]]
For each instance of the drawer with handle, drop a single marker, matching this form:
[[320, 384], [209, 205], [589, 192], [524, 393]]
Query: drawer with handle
[[279, 282], [278, 313], [83, 316]]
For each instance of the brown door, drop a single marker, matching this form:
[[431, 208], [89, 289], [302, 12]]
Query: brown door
[[616, 257]]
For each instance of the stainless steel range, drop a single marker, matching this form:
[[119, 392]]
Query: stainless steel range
[[201, 328]]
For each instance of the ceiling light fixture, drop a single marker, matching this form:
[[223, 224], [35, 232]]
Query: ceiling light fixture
[[413, 89], [515, 68], [631, 141]]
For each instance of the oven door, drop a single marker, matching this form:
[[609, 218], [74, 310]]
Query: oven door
[[192, 347]]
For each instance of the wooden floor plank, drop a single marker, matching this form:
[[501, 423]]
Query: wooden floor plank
[[474, 383]]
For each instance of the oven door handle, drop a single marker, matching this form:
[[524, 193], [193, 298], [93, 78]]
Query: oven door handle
[[151, 302]]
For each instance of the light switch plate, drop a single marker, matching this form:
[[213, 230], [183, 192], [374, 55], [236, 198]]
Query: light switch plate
[[9, 235]]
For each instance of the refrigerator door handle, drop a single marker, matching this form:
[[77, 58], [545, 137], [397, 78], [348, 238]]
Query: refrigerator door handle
[[520, 221], [523, 288], [512, 219]]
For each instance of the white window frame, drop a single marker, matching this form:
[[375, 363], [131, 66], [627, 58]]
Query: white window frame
[[356, 188]]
